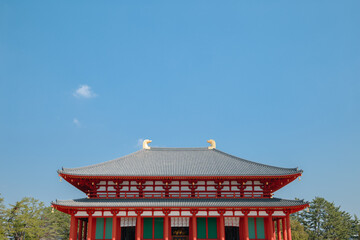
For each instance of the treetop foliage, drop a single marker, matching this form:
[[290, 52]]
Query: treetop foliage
[[324, 220], [31, 219]]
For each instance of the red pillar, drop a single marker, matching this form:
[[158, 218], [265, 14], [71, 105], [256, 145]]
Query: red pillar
[[270, 228], [73, 227], [288, 227], [222, 227], [194, 227], [138, 227], [278, 229], [166, 227], [246, 227], [81, 230], [284, 228], [90, 227], [114, 227]]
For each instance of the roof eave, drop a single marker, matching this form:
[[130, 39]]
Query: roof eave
[[72, 175]]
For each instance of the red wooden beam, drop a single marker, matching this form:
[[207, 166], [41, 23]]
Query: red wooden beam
[[73, 227]]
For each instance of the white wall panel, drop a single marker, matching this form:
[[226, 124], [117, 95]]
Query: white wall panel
[[279, 213], [132, 213], [107, 214], [179, 222], [158, 213], [238, 213], [253, 213], [147, 213], [262, 213], [81, 214], [201, 213], [174, 213], [97, 214], [214, 213], [232, 221], [186, 213], [127, 222], [121, 213], [228, 213]]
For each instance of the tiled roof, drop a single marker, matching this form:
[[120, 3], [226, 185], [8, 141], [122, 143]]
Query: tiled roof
[[179, 162], [182, 202]]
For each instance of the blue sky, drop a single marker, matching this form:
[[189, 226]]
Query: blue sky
[[275, 82]]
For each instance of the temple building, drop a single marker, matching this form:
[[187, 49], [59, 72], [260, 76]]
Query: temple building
[[179, 194]]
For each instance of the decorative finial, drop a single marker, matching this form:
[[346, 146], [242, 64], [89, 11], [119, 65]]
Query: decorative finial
[[213, 144], [145, 144]]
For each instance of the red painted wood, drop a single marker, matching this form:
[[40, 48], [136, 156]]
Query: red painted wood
[[93, 228], [73, 227], [290, 209], [288, 227], [176, 178], [170, 236], [138, 227], [246, 228], [166, 228], [89, 185], [222, 227], [206, 224], [194, 227], [90, 228], [283, 221], [114, 228], [270, 228]]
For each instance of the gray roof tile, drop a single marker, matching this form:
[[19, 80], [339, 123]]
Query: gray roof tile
[[183, 202], [179, 162]]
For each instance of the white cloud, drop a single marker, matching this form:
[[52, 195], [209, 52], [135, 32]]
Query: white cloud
[[76, 122], [84, 91]]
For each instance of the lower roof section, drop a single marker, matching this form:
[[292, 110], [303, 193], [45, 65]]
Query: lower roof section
[[181, 203]]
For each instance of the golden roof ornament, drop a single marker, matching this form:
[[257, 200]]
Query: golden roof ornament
[[213, 144], [145, 144]]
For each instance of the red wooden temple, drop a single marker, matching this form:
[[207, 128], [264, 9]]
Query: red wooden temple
[[179, 194]]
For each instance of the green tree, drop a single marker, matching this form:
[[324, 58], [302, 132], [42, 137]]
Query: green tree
[[324, 220], [298, 231], [58, 224], [25, 220], [2, 219], [356, 228]]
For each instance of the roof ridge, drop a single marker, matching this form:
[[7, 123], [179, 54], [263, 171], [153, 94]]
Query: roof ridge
[[178, 149]]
